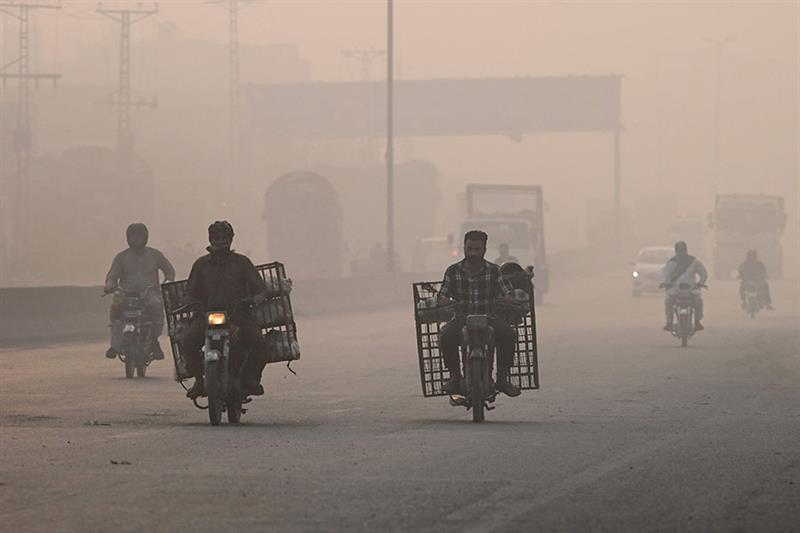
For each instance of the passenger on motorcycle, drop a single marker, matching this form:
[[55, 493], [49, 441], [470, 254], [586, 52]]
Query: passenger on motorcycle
[[683, 268], [474, 284], [504, 257], [218, 281], [753, 271], [136, 269]]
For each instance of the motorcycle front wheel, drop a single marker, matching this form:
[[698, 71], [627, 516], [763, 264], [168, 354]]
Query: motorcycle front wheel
[[130, 367], [213, 389], [477, 394], [683, 328]]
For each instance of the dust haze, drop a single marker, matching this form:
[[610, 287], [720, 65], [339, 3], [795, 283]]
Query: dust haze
[[708, 104]]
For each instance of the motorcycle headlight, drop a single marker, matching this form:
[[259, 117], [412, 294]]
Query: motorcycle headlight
[[635, 274], [217, 319]]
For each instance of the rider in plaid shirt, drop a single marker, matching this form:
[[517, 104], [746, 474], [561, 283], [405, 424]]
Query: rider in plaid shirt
[[474, 294], [474, 284]]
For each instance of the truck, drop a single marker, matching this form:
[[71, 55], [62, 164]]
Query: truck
[[742, 222], [511, 215], [303, 220]]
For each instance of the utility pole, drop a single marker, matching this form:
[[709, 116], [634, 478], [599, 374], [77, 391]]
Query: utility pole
[[23, 135], [718, 44], [390, 135], [125, 98], [364, 57], [234, 90]]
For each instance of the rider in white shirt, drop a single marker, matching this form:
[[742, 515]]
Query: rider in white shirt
[[683, 268]]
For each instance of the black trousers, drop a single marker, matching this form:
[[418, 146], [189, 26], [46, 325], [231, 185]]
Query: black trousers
[[245, 336], [450, 338]]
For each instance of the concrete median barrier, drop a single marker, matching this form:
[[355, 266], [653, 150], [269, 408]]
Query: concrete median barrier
[[51, 315]]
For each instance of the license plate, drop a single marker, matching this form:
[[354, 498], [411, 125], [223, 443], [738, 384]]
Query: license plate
[[683, 311], [128, 328]]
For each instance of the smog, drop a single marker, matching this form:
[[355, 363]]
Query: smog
[[296, 214]]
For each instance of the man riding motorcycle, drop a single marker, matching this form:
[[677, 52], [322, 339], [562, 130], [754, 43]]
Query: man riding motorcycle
[[136, 269], [475, 284], [755, 272], [683, 268], [218, 281]]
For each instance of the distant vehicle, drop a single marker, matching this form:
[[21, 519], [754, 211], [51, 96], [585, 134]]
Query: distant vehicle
[[137, 334], [753, 303], [647, 268], [512, 215], [303, 219], [693, 230], [435, 254], [747, 222], [683, 314]]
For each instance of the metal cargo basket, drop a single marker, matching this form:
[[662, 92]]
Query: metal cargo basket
[[430, 319], [275, 317]]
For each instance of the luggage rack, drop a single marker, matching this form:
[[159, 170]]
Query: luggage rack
[[429, 321], [274, 317]]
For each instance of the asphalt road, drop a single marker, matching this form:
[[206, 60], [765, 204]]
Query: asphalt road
[[628, 433]]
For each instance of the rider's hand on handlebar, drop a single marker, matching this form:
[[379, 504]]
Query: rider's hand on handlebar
[[665, 286]]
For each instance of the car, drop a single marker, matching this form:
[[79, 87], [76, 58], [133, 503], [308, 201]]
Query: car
[[647, 268]]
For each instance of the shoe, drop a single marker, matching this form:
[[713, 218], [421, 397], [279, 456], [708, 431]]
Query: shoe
[[698, 326], [669, 327], [197, 390], [157, 352], [453, 385], [111, 353], [251, 387], [770, 308], [505, 386]]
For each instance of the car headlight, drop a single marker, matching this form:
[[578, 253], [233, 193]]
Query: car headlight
[[635, 274], [217, 319]]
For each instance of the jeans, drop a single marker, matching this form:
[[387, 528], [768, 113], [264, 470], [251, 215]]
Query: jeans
[[450, 339]]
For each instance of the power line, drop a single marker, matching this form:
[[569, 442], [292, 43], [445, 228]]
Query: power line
[[124, 98], [23, 134], [234, 86]]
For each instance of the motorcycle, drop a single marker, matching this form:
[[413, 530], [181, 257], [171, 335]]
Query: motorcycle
[[477, 353], [683, 313], [137, 334], [223, 386], [753, 302]]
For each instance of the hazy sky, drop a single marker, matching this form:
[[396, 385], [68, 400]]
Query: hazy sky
[[681, 61], [450, 38]]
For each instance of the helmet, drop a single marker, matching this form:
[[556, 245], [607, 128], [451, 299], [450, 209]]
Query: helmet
[[137, 229], [681, 248], [517, 276]]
